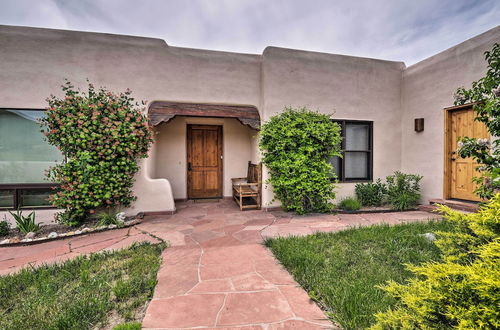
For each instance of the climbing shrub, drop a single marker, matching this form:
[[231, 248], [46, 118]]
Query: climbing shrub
[[101, 135], [296, 146], [462, 291], [485, 94]]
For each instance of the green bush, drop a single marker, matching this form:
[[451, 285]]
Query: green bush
[[296, 146], [128, 326], [101, 135], [4, 228], [461, 292], [371, 193], [403, 190], [25, 224], [349, 204]]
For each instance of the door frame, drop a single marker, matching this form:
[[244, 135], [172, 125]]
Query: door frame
[[447, 147], [220, 149]]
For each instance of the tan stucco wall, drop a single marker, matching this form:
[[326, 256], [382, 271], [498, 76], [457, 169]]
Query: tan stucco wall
[[428, 87], [347, 87], [34, 62], [170, 162]]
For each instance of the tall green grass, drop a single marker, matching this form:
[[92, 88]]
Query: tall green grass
[[341, 271], [81, 293]]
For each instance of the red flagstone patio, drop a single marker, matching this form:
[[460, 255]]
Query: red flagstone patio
[[216, 273]]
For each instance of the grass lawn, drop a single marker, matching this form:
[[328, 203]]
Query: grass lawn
[[85, 293], [341, 271]]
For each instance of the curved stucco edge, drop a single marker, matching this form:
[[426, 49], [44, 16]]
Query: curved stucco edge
[[153, 195]]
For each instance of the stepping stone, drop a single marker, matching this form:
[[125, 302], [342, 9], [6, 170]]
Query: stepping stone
[[196, 310], [255, 307]]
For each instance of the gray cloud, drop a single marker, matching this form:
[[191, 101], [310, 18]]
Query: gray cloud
[[389, 29]]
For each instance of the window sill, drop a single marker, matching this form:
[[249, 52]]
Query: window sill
[[29, 208], [355, 181]]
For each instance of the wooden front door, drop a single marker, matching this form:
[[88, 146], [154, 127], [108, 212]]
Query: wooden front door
[[204, 161], [462, 170]]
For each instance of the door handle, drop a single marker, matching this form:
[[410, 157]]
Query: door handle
[[453, 159], [189, 167]]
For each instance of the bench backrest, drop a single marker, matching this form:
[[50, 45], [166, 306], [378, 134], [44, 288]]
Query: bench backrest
[[254, 173]]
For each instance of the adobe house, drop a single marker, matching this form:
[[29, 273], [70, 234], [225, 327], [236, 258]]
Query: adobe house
[[212, 104]]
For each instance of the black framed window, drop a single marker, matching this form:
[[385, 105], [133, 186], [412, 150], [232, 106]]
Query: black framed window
[[357, 151], [24, 158]]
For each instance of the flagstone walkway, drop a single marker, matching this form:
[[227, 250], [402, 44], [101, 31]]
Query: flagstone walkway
[[216, 272]]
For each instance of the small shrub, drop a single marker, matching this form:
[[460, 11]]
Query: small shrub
[[371, 193], [25, 224], [128, 326], [460, 292], [404, 201], [108, 218], [349, 204], [403, 190], [296, 146], [4, 228]]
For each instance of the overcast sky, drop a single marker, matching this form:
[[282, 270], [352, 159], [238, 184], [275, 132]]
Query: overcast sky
[[402, 30]]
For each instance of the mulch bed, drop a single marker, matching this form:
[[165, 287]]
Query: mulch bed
[[374, 209], [15, 237]]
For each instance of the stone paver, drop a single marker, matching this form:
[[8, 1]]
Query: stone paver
[[216, 274], [224, 268]]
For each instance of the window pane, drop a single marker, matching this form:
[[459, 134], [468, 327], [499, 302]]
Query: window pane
[[356, 165], [35, 197], [335, 162], [6, 199], [24, 154], [357, 137]]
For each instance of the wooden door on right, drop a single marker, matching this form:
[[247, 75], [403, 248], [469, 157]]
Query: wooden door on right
[[463, 170]]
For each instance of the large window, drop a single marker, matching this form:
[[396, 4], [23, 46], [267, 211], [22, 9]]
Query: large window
[[24, 158], [357, 150]]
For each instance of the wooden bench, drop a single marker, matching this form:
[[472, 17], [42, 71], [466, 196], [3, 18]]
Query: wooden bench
[[247, 191]]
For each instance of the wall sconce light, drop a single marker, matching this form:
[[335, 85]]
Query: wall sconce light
[[419, 124]]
